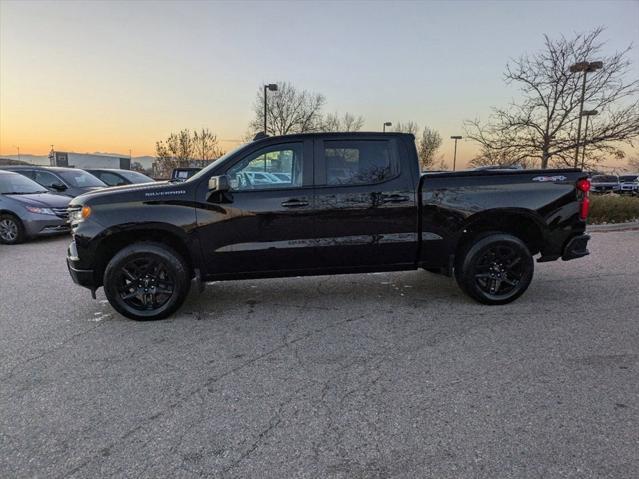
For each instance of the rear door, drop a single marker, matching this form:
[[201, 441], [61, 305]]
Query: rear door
[[263, 224], [366, 212]]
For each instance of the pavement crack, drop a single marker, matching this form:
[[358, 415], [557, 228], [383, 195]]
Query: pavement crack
[[207, 384], [44, 353]]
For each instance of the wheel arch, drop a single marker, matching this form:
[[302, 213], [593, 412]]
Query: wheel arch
[[113, 240], [524, 224]]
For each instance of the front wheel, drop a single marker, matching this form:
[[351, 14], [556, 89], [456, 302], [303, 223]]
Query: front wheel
[[497, 269], [11, 229], [146, 281]]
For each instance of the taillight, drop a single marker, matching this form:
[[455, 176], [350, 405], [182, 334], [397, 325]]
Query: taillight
[[584, 208], [583, 185]]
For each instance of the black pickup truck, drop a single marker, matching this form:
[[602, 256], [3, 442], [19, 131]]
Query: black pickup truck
[[314, 204]]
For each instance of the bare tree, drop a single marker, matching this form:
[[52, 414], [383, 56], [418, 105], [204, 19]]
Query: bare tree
[[541, 127], [206, 145], [408, 127], [348, 122], [427, 146], [289, 111], [502, 156], [176, 151]]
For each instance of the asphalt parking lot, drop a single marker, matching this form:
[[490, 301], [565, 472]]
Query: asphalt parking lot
[[378, 375]]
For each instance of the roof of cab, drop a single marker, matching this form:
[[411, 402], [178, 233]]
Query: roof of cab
[[338, 134]]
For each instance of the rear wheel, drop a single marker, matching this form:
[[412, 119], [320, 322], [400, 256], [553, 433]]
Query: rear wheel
[[11, 229], [146, 281], [496, 269]]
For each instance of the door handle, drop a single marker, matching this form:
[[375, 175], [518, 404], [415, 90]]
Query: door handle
[[294, 203], [394, 198]]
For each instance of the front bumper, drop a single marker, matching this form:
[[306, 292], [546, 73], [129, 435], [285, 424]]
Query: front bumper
[[44, 225], [577, 247], [82, 277]]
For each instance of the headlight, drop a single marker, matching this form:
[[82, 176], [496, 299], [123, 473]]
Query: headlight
[[40, 211], [79, 214]]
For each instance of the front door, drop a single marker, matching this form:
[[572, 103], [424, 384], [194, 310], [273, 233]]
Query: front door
[[264, 224]]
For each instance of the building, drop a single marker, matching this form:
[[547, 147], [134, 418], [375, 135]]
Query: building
[[86, 160]]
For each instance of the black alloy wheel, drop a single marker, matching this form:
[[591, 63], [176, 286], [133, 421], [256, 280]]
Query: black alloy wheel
[[496, 269], [146, 281]]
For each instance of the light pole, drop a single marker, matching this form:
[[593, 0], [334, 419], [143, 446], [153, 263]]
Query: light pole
[[455, 137], [271, 87], [19, 157], [587, 114], [585, 67], [386, 123]]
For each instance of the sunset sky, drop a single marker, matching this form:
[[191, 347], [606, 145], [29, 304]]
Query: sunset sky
[[114, 76]]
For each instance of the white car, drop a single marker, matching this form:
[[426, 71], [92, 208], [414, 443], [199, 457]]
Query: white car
[[629, 184]]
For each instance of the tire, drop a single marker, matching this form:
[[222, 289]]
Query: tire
[[496, 268], [146, 281], [11, 229]]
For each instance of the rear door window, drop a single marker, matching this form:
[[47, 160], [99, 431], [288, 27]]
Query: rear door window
[[358, 162]]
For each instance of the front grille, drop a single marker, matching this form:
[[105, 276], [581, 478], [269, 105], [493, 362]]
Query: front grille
[[61, 212]]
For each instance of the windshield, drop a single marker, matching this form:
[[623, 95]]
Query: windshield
[[203, 172], [604, 179], [628, 178], [135, 177], [16, 183], [80, 178]]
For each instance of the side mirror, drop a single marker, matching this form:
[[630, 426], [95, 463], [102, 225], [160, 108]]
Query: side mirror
[[59, 186], [219, 183]]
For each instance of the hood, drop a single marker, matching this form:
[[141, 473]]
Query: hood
[[42, 200], [129, 192]]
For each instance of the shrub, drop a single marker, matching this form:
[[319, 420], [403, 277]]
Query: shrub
[[613, 209]]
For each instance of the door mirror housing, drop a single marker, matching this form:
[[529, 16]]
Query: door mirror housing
[[219, 183], [59, 186]]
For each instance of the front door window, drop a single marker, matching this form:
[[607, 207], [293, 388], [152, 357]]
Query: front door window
[[277, 167]]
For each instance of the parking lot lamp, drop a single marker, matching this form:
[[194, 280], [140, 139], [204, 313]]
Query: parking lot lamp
[[455, 137], [587, 114], [585, 67], [386, 123], [267, 87]]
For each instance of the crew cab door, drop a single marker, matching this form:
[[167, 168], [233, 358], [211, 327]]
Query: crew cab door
[[265, 222], [366, 212]]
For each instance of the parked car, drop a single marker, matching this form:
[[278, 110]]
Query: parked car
[[115, 177], [69, 182], [605, 184], [28, 210], [183, 174], [285, 177], [145, 243], [629, 184], [261, 178]]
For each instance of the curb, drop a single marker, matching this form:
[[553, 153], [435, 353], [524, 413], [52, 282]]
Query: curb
[[633, 225]]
